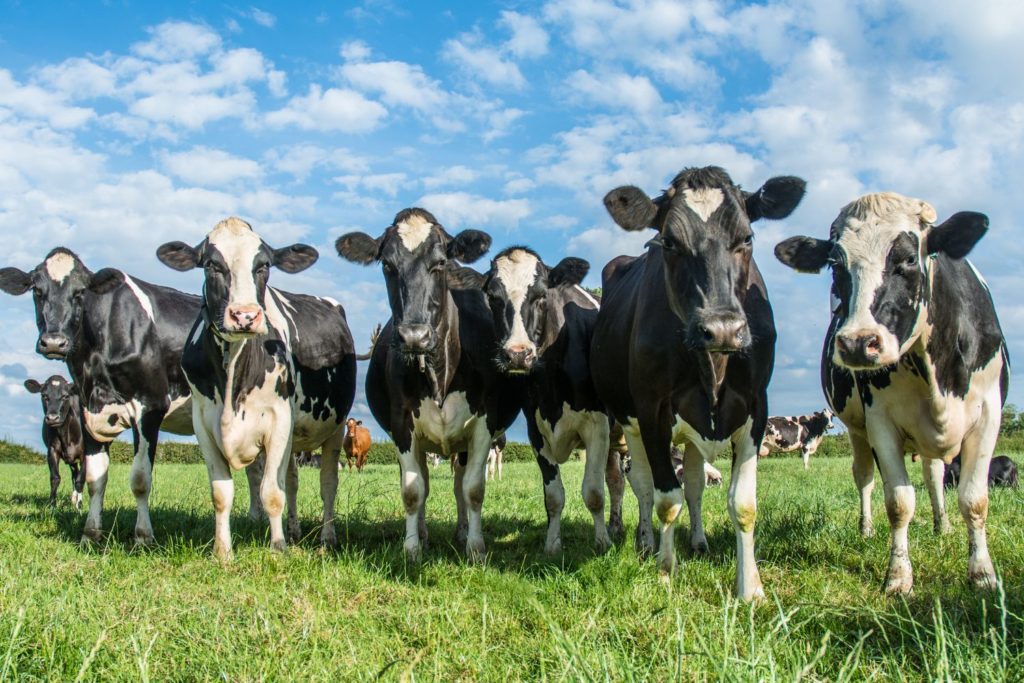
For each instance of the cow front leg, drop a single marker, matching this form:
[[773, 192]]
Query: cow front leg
[[222, 490], [899, 504], [933, 471], [473, 487], [554, 502], [694, 481], [330, 453], [421, 524], [77, 483], [272, 488], [596, 442], [292, 494], [972, 493], [254, 476], [864, 478], [743, 511], [616, 482], [146, 433], [97, 463], [53, 463], [642, 483], [414, 492], [459, 461]]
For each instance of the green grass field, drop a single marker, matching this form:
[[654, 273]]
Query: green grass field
[[173, 613]]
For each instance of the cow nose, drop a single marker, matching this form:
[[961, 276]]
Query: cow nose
[[54, 345], [859, 348], [245, 318], [723, 333], [415, 337], [52, 419], [520, 357]]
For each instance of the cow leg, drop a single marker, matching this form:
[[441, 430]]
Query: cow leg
[[554, 502], [421, 525], [459, 461], [53, 463], [278, 451], [330, 454], [694, 482], [97, 463], [473, 487], [77, 484], [254, 475], [864, 478], [222, 490], [742, 502], [975, 459], [616, 482], [596, 442], [146, 433], [414, 492], [656, 434], [899, 504], [292, 494], [805, 453], [642, 483], [933, 471]]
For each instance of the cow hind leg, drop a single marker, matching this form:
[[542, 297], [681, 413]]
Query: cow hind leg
[[972, 492], [933, 471], [742, 503], [694, 481], [254, 475], [616, 482], [593, 478], [292, 494], [459, 461], [146, 434], [96, 467], [864, 478]]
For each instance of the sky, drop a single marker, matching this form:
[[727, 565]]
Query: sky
[[124, 125]]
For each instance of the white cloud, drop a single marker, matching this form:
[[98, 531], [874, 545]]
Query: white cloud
[[397, 83], [465, 210], [387, 184], [300, 160], [484, 63], [35, 102], [337, 109], [452, 175], [174, 40], [619, 91], [528, 39], [262, 17], [210, 167]]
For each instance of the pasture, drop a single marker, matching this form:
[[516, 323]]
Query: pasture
[[173, 613]]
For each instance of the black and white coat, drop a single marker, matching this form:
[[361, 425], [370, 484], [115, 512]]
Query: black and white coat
[[801, 433], [62, 433], [914, 359], [271, 372]]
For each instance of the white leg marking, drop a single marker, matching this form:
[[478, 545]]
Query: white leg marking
[[694, 481], [743, 510], [96, 467], [474, 486], [899, 503], [642, 482], [864, 478], [595, 440], [141, 480]]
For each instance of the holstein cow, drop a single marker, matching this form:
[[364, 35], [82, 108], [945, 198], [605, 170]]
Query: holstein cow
[[121, 339], [914, 359], [356, 444], [62, 433], [1002, 471], [684, 347], [803, 433], [432, 383], [545, 323], [270, 371]]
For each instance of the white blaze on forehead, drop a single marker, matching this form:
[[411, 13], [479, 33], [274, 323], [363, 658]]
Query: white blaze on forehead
[[703, 201], [59, 266], [414, 231], [144, 301], [516, 271], [238, 244]]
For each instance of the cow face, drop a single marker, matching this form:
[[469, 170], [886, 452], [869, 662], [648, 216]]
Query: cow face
[[517, 288], [236, 265], [59, 285], [350, 426], [415, 253], [704, 237], [879, 251], [58, 398]]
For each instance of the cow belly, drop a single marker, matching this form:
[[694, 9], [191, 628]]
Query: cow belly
[[308, 433], [114, 418], [178, 419], [446, 428], [568, 432]]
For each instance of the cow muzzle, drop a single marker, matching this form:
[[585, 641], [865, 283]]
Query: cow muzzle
[[519, 359], [53, 420], [860, 350], [245, 319], [54, 346], [416, 338], [721, 333]]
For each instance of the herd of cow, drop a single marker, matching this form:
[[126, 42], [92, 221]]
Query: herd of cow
[[679, 352]]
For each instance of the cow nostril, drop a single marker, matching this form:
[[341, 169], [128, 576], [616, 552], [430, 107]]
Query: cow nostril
[[707, 334]]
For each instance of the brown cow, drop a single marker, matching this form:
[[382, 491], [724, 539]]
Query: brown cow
[[357, 443]]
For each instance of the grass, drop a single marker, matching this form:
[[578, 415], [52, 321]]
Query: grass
[[173, 613]]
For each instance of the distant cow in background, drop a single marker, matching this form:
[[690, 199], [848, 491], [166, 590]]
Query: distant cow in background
[[1002, 471], [307, 459], [62, 433], [495, 457], [357, 444], [803, 433]]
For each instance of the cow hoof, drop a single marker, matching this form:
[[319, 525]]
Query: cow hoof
[[984, 582], [616, 530], [278, 546], [942, 528], [294, 531], [476, 551], [753, 593], [867, 530], [666, 563], [223, 552], [328, 539], [413, 550], [699, 546], [76, 500], [982, 574], [553, 547], [602, 542], [900, 580], [461, 535], [144, 539]]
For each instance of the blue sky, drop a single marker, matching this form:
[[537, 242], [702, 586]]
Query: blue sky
[[124, 125]]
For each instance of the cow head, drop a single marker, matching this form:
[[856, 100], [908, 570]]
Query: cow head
[[236, 267], [878, 250], [350, 426], [416, 254], [704, 237], [59, 284], [517, 288], [59, 399]]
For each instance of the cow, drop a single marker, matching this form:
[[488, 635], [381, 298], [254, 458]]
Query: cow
[[432, 384], [1002, 471], [712, 477], [914, 359], [545, 321], [684, 348], [62, 433], [121, 339], [270, 372], [803, 433], [356, 444], [495, 456]]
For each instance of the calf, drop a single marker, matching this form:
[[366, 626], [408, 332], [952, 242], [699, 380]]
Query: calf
[[270, 372], [914, 358], [357, 444], [1002, 471], [62, 433], [803, 433], [121, 339], [495, 457], [432, 384], [684, 347]]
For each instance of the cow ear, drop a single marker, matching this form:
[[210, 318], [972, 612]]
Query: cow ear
[[804, 254], [178, 255], [296, 258], [468, 245], [569, 271], [630, 208], [957, 236], [461, 277], [33, 386], [777, 198], [105, 280], [359, 422], [14, 281], [358, 247]]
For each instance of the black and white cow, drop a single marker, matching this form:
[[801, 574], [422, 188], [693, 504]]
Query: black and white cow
[[121, 339], [684, 348], [62, 433], [1002, 471], [432, 383], [914, 358], [270, 372], [803, 433]]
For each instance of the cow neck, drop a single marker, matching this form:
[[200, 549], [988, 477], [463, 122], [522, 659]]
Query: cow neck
[[438, 366]]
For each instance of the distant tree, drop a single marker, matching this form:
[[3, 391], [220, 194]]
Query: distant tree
[[1013, 421], [594, 292]]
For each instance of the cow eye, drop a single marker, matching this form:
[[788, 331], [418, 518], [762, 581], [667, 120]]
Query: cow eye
[[437, 266], [910, 261], [262, 268], [748, 240], [215, 268]]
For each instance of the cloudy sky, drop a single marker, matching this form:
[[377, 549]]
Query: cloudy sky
[[127, 124]]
